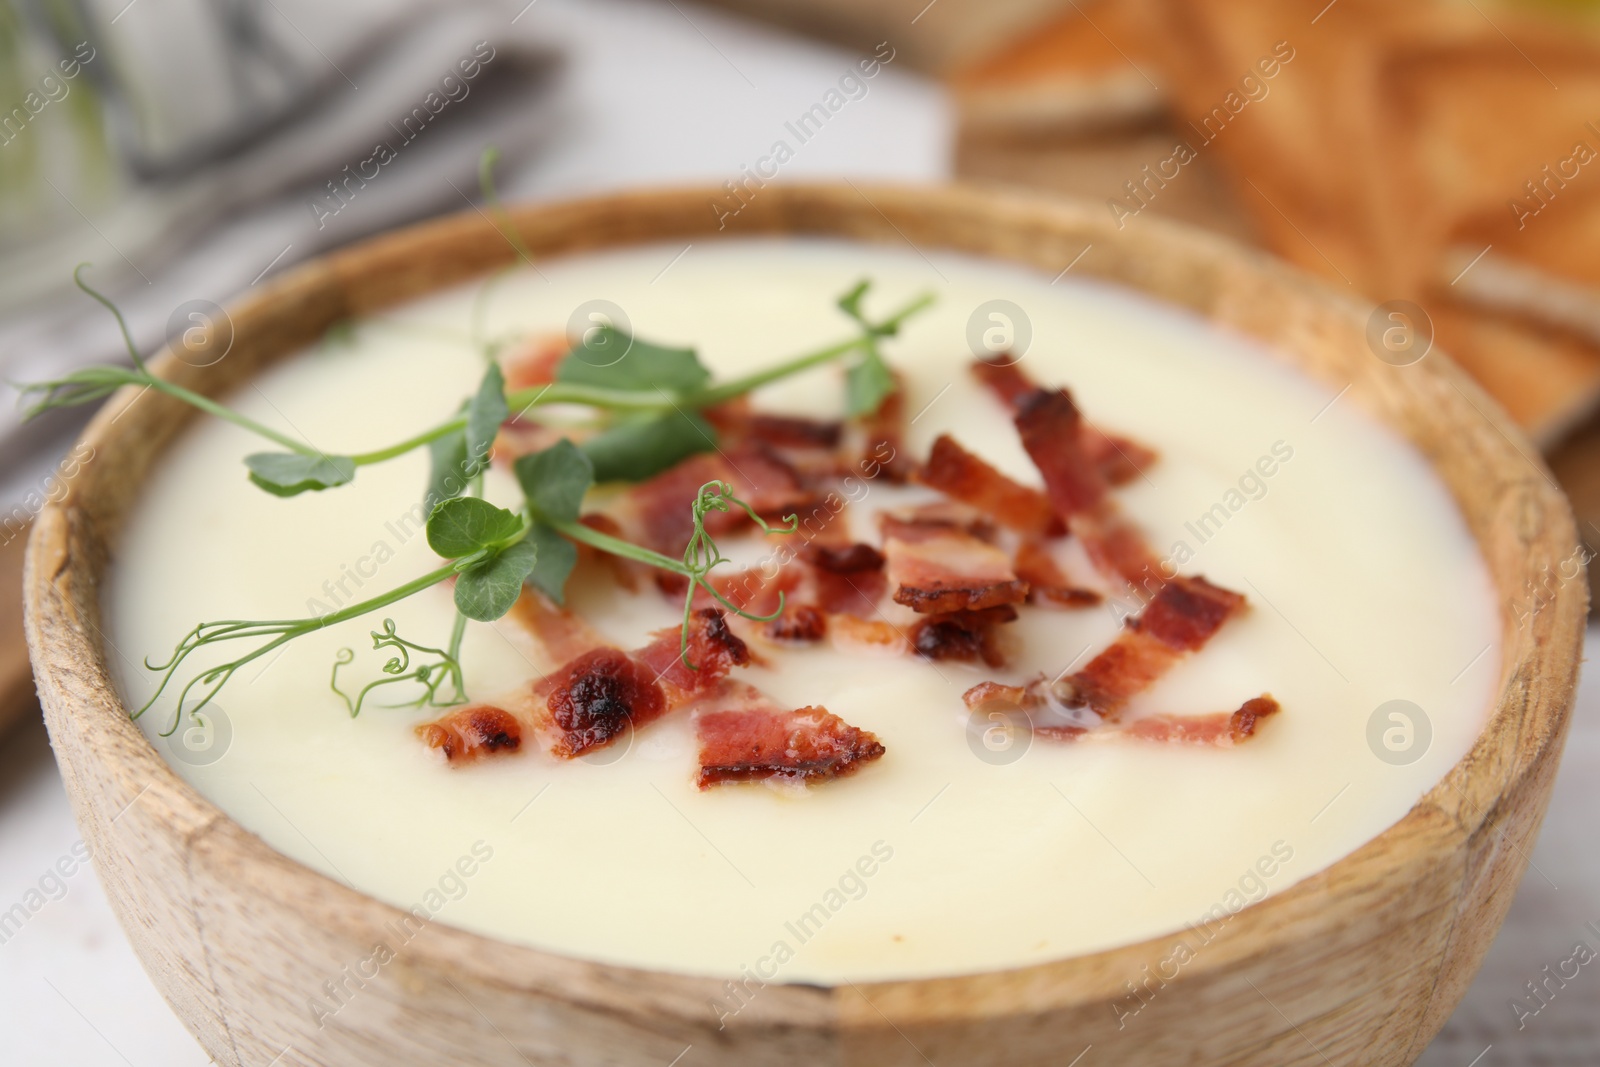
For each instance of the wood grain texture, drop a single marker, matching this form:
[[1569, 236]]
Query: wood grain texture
[[1360, 964], [17, 700]]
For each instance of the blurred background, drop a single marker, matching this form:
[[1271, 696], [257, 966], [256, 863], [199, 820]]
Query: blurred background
[[1440, 152]]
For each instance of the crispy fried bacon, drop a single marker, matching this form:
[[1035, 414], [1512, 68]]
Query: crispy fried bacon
[[1181, 619], [745, 737], [557, 632], [1183, 616], [801, 625], [594, 698], [1222, 729], [967, 636], [1119, 459], [1004, 378], [1051, 431], [528, 363], [949, 562], [1219, 729], [533, 361], [936, 568], [962, 476], [738, 420], [471, 733], [714, 650], [1047, 583], [657, 512], [855, 634], [846, 580], [603, 691], [597, 692], [757, 590]]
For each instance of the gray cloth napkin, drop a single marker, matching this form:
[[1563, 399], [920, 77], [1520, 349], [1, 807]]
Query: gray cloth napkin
[[389, 129]]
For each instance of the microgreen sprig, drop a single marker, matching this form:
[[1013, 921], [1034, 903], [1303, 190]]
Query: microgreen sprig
[[270, 634], [647, 405], [432, 675], [702, 554]]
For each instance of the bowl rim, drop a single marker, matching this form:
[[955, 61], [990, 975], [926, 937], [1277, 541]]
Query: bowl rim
[[71, 545]]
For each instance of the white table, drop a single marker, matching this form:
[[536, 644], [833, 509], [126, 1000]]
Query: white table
[[657, 93]]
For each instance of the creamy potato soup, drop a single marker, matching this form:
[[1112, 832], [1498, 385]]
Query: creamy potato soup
[[1345, 655]]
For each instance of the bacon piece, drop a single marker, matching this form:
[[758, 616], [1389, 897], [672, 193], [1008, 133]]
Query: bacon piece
[[1118, 459], [739, 420], [530, 362], [601, 692], [533, 361], [1223, 729], [468, 734], [935, 516], [810, 446], [856, 634], [968, 636], [803, 625], [657, 512], [629, 574], [961, 475], [1046, 580], [1220, 729], [1181, 619], [597, 692], [757, 590], [595, 697], [936, 569], [714, 650], [822, 522], [1050, 426], [846, 580], [1186, 613], [1117, 548], [1004, 378], [756, 741], [559, 633]]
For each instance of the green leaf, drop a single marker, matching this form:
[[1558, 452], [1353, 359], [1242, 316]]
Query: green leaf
[[447, 471], [485, 591], [867, 384], [485, 412], [557, 557], [850, 302], [464, 525], [292, 473], [555, 480], [634, 450], [610, 359]]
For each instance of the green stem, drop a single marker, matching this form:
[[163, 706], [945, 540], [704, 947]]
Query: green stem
[[221, 411], [382, 600], [616, 546], [426, 437], [633, 400], [718, 394]]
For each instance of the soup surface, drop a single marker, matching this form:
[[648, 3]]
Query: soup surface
[[961, 849]]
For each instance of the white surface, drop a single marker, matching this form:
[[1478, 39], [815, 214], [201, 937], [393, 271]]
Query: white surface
[[304, 775]]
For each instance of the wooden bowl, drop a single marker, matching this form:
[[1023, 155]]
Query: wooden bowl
[[1360, 964]]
